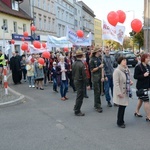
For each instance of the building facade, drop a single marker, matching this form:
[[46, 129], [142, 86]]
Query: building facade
[[87, 20], [14, 22], [77, 16], [44, 18], [64, 15], [97, 32]]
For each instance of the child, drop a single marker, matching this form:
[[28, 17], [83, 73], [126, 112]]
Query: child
[[30, 73], [54, 77]]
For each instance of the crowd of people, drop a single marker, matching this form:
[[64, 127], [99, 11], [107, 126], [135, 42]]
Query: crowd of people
[[83, 70]]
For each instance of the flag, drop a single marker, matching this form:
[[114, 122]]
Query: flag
[[110, 32]]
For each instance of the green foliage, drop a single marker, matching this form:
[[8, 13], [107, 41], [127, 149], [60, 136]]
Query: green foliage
[[138, 38]]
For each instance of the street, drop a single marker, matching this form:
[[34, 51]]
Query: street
[[44, 122]]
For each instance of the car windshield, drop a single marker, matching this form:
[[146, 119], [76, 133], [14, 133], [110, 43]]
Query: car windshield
[[129, 55]]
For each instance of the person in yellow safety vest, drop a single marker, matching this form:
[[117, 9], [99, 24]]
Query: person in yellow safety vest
[[2, 63]]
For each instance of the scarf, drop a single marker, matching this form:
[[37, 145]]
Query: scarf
[[128, 87]]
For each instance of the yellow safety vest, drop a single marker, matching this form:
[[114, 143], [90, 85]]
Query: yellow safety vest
[[2, 60]]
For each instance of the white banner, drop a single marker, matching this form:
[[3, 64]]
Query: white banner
[[34, 50], [110, 32], [73, 38], [58, 42]]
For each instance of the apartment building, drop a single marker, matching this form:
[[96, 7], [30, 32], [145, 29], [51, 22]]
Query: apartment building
[[13, 22], [44, 18], [87, 19], [97, 32], [77, 16], [64, 15]]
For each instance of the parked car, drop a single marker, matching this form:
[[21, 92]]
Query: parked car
[[130, 57]]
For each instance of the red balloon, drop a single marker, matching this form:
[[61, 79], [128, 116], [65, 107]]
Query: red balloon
[[33, 28], [24, 47], [37, 44], [136, 25], [113, 18], [44, 45], [25, 34], [66, 49], [41, 61], [80, 33], [122, 16], [12, 41], [46, 54]]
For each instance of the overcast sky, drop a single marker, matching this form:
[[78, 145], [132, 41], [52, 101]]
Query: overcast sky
[[132, 8]]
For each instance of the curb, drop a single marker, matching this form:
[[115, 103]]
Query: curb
[[19, 100]]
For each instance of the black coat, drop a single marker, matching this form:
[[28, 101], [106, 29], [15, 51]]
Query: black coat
[[142, 82]]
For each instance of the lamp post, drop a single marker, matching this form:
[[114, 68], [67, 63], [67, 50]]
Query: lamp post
[[132, 12], [133, 17]]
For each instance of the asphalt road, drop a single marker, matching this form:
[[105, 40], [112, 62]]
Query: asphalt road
[[44, 122]]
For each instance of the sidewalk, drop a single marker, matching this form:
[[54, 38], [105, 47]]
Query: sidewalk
[[12, 98]]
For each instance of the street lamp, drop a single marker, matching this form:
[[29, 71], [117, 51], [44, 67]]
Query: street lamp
[[4, 28], [132, 12]]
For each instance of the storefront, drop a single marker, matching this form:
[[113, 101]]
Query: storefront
[[19, 39]]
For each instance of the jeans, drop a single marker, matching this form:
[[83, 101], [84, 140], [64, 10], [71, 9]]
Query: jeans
[[108, 85], [24, 71], [55, 84], [31, 80], [63, 88]]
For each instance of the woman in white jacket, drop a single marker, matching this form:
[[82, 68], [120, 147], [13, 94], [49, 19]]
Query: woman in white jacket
[[122, 90]]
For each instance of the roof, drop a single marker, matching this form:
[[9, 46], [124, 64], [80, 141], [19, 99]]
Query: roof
[[7, 10]]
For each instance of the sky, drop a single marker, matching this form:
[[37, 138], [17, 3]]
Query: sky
[[133, 8]]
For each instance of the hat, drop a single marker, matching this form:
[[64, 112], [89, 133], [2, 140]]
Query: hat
[[79, 53], [97, 49]]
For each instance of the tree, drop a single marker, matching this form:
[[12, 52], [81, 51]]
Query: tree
[[138, 38], [113, 44]]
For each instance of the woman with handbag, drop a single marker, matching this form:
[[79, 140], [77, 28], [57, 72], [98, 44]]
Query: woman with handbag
[[142, 74], [122, 91]]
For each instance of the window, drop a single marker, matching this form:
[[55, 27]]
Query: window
[[52, 4], [24, 27], [75, 22], [44, 4], [15, 5], [49, 7], [49, 23], [5, 24], [35, 20], [39, 3], [40, 23], [75, 11], [62, 14], [58, 12], [66, 16], [59, 29], [63, 30], [53, 25], [44, 22], [15, 27]]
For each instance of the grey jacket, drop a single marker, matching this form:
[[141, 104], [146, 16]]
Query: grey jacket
[[38, 72]]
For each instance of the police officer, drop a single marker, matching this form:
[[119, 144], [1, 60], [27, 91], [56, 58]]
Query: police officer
[[96, 73], [79, 77]]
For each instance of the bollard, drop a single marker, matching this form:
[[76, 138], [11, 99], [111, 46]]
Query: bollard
[[5, 80]]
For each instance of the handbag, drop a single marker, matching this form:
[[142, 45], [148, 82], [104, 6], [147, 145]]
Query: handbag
[[142, 92]]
